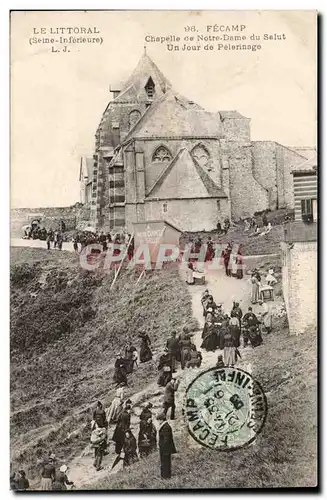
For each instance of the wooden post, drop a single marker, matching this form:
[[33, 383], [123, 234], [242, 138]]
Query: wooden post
[[121, 263]]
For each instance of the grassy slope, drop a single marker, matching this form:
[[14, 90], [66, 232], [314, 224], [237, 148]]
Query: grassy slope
[[284, 455], [251, 245], [54, 383]]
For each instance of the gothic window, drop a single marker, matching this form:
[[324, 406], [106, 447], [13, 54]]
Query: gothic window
[[202, 156], [134, 117], [165, 207], [161, 154], [149, 88]]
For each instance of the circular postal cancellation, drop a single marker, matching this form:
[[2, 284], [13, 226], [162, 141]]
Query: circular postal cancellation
[[225, 408]]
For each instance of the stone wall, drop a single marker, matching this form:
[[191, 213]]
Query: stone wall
[[265, 168], [300, 285], [236, 129], [188, 215], [50, 217], [246, 194]]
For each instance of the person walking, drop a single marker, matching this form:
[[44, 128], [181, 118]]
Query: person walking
[[129, 448], [116, 406], [123, 424], [166, 446], [164, 368], [22, 481], [255, 288], [48, 240], [147, 439], [185, 346], [266, 316], [169, 397], [172, 346], [61, 480], [47, 474]]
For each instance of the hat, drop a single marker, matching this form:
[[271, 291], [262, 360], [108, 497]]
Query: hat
[[52, 456], [63, 468]]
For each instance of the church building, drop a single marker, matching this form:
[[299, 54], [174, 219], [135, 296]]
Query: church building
[[161, 156]]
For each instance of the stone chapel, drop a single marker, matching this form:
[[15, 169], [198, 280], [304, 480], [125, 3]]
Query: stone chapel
[[160, 156]]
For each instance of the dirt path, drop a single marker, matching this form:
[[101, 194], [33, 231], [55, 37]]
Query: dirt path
[[224, 290], [21, 242]]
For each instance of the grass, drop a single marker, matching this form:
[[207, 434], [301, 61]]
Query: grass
[[251, 245], [64, 340], [284, 454]]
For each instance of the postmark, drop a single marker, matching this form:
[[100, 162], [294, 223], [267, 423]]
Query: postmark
[[225, 408]]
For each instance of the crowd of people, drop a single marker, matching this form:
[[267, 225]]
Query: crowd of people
[[53, 476], [227, 332], [128, 448], [82, 239], [128, 359]]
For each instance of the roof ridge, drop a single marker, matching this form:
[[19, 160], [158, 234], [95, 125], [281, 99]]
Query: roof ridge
[[148, 112]]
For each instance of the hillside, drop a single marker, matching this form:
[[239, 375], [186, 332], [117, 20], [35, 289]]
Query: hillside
[[283, 455], [57, 378], [66, 329]]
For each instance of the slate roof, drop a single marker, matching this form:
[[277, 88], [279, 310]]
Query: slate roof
[[133, 88], [231, 114], [310, 159], [175, 115], [86, 168]]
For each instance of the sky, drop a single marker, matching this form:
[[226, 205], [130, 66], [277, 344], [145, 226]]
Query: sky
[[57, 99]]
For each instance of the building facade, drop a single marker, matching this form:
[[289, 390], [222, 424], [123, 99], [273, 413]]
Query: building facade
[[160, 156], [299, 254]]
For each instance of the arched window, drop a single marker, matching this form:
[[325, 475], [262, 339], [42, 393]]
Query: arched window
[[201, 155], [134, 117], [161, 155]]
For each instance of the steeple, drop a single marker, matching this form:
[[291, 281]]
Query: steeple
[[146, 82]]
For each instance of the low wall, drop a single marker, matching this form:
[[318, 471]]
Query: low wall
[[50, 217], [300, 284]]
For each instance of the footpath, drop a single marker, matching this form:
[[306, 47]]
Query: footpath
[[225, 290]]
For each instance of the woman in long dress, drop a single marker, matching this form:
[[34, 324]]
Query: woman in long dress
[[266, 316], [190, 274], [239, 265], [116, 406], [255, 289], [210, 340], [231, 353], [145, 351]]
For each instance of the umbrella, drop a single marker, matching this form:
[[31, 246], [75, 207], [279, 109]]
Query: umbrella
[[117, 460], [90, 229]]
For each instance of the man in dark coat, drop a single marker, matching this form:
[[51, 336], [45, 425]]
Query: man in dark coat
[[173, 346], [166, 446], [165, 369], [185, 346], [120, 371], [99, 416], [169, 397], [123, 424]]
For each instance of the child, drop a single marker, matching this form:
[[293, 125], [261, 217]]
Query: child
[[220, 362]]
